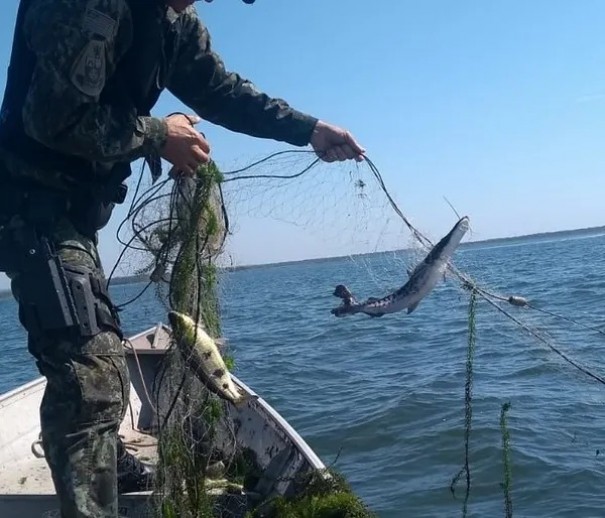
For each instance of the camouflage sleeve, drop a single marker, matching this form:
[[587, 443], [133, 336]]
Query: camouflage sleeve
[[76, 44], [200, 81]]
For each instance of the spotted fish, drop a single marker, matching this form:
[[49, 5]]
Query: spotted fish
[[422, 280], [202, 354]]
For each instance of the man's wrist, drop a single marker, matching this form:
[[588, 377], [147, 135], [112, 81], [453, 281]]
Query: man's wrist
[[155, 133], [304, 127]]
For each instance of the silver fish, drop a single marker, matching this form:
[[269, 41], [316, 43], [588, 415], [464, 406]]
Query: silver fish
[[201, 352], [422, 280]]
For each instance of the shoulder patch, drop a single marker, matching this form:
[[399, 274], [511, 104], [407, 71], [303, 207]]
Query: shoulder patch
[[99, 23], [88, 71]]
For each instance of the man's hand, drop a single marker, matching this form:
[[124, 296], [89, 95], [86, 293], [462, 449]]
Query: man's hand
[[185, 147], [332, 143]]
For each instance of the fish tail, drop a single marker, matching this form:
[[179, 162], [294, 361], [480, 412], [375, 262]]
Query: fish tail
[[342, 292]]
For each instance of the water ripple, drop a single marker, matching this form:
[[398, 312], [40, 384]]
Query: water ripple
[[385, 397]]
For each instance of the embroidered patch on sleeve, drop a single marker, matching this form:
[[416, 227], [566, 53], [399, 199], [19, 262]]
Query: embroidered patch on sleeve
[[88, 71], [99, 23]]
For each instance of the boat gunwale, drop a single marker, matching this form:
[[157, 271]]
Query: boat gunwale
[[21, 389], [271, 414], [306, 451]]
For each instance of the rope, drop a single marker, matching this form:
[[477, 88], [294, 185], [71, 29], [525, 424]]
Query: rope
[[469, 284], [152, 195]]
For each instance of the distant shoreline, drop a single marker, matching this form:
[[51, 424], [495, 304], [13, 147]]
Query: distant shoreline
[[128, 279], [558, 234], [590, 231]]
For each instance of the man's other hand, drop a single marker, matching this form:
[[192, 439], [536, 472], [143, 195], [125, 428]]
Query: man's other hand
[[333, 144], [185, 147]]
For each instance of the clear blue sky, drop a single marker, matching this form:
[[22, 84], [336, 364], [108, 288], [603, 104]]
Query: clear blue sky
[[500, 106]]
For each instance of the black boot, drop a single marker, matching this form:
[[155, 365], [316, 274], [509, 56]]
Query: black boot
[[133, 475]]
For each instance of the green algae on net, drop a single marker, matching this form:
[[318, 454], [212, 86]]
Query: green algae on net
[[324, 494], [185, 243]]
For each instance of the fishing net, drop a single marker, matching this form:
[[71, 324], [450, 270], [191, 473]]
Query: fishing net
[[175, 234], [184, 233]]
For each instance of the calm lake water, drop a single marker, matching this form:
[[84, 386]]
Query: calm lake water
[[388, 393]]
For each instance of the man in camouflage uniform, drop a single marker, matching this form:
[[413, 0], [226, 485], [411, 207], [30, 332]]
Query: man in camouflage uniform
[[83, 78]]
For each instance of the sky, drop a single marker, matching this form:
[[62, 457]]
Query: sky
[[498, 106]]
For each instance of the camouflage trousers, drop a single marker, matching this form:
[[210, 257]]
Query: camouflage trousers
[[85, 400]]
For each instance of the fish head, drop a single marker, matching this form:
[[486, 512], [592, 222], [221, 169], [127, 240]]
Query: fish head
[[185, 328], [458, 232], [463, 225], [445, 248], [182, 325], [176, 319]]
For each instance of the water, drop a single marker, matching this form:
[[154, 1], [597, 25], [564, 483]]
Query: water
[[385, 397]]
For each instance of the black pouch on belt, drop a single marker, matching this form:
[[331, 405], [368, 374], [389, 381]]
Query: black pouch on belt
[[90, 211]]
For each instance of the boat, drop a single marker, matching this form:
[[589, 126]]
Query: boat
[[26, 488]]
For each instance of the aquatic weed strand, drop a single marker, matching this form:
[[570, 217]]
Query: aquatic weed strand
[[187, 442], [468, 409], [506, 484]]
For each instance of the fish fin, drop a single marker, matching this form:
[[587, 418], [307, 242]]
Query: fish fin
[[412, 307]]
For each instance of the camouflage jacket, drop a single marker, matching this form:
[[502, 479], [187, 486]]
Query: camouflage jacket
[[98, 68]]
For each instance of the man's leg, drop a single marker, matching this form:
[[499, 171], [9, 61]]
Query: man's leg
[[86, 395], [80, 415]]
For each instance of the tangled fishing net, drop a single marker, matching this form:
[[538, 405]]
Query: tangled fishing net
[[178, 234], [177, 231]]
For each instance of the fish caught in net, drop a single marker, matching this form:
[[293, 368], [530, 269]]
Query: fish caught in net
[[183, 233]]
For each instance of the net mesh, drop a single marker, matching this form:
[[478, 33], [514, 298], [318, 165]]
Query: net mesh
[[181, 232]]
